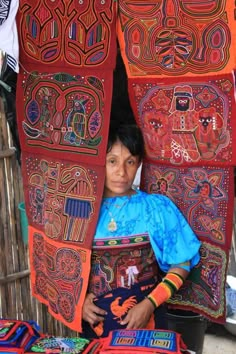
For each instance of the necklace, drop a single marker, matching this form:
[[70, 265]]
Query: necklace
[[112, 225]]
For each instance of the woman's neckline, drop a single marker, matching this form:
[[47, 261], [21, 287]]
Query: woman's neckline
[[136, 192]]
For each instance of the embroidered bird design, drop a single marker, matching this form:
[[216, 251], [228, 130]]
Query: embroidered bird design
[[98, 329], [120, 310]]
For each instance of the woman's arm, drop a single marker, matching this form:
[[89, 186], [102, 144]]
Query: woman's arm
[[139, 315], [170, 284]]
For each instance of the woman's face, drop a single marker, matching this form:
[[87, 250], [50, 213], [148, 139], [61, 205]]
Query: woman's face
[[121, 168]]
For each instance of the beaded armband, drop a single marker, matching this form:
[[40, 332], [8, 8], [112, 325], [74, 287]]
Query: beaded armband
[[171, 283]]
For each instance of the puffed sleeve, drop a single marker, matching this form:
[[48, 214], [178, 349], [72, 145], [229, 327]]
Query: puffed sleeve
[[172, 239]]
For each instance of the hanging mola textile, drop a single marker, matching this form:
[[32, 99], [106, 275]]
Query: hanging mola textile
[[179, 58], [67, 56]]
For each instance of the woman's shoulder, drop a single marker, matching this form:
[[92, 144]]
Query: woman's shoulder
[[153, 198], [144, 194]]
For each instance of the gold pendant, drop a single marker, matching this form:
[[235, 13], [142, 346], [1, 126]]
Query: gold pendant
[[112, 226]]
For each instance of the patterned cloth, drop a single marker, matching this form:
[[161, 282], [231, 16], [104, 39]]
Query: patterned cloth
[[179, 58], [58, 345], [68, 53], [64, 113], [151, 232], [8, 32], [186, 122], [155, 216], [206, 198], [68, 34], [117, 303], [177, 38], [5, 10], [58, 273], [143, 341], [62, 198]]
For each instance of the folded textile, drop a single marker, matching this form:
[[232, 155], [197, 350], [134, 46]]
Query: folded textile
[[143, 341], [116, 304], [13, 350], [51, 344], [18, 334]]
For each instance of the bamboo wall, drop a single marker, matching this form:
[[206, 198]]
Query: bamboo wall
[[16, 301]]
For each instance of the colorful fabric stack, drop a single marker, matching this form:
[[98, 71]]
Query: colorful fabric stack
[[67, 55], [23, 337], [179, 58], [18, 336], [118, 341]]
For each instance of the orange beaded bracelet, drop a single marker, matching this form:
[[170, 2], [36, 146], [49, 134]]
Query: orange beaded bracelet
[[164, 290]]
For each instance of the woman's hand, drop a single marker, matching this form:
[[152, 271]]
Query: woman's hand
[[90, 312], [139, 315]]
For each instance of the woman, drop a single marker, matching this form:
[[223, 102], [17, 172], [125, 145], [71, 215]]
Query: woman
[[137, 236]]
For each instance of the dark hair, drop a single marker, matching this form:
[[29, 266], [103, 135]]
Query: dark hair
[[129, 135]]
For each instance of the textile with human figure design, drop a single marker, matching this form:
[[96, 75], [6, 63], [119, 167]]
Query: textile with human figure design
[[177, 37], [62, 197], [187, 121], [64, 112], [69, 34], [62, 200], [114, 264], [205, 195]]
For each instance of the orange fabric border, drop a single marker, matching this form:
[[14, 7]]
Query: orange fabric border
[[55, 289]]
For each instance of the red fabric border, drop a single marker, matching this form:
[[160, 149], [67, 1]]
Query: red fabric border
[[205, 195], [65, 113], [201, 133], [176, 39], [67, 35]]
